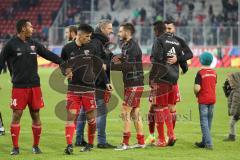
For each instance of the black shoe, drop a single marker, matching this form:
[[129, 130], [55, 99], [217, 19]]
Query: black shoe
[[87, 148], [105, 146], [36, 150], [15, 151], [199, 145], [230, 138], [69, 149], [81, 144], [171, 142], [2, 131]]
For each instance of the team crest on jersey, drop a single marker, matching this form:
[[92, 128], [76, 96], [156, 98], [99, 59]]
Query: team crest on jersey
[[86, 52], [33, 48]]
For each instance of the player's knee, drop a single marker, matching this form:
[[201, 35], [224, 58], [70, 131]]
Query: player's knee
[[136, 115], [17, 114], [123, 115], [91, 114], [91, 120], [172, 108]]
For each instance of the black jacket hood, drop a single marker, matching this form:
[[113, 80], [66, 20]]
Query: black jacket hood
[[98, 35]]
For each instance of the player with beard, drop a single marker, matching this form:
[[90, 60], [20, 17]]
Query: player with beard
[[186, 55], [70, 33], [132, 70], [163, 77]]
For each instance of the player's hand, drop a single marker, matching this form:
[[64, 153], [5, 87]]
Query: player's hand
[[109, 87], [104, 66], [116, 59], [69, 73], [172, 60]]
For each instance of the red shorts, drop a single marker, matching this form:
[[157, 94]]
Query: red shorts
[[21, 97], [177, 92], [163, 94], [132, 96], [76, 100]]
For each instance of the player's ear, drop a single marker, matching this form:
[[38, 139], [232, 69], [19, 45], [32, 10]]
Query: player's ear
[[128, 32], [24, 28]]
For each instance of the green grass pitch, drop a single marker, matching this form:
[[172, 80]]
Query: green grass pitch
[[187, 129]]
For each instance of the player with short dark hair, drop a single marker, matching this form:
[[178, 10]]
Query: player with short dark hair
[[100, 40], [182, 59], [132, 69], [163, 76], [20, 53], [81, 59]]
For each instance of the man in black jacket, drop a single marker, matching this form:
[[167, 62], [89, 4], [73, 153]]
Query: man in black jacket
[[20, 53], [132, 70], [182, 60], [80, 56], [163, 77], [100, 42]]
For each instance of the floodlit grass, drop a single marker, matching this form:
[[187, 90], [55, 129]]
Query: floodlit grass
[[187, 128]]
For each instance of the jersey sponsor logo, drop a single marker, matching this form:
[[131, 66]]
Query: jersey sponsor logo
[[33, 50], [172, 42], [86, 52], [19, 54], [171, 52], [208, 75], [72, 55]]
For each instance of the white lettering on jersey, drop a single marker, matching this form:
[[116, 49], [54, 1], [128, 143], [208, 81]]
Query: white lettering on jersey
[[172, 42], [171, 52]]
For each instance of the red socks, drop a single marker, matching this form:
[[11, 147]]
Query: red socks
[[174, 118], [140, 139], [69, 132], [36, 130], [15, 130], [160, 124], [163, 115], [126, 136], [169, 123], [91, 130]]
